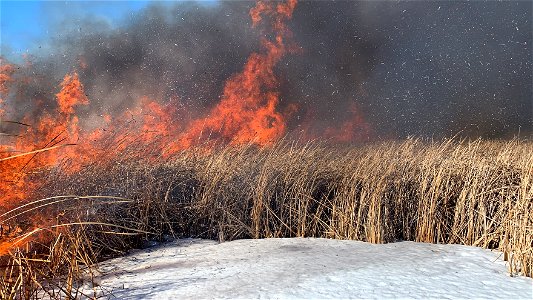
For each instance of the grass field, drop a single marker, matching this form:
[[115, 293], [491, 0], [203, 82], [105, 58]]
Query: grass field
[[476, 193]]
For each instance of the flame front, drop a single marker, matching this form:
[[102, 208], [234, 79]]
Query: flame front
[[29, 154], [249, 112]]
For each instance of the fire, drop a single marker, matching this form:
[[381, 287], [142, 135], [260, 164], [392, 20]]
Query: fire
[[149, 126], [249, 112], [6, 71], [29, 154], [355, 128], [71, 94]]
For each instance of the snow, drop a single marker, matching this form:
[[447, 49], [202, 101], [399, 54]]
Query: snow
[[309, 268]]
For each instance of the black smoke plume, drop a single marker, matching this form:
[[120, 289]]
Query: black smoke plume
[[410, 68]]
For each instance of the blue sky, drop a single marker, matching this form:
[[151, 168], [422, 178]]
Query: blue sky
[[26, 25]]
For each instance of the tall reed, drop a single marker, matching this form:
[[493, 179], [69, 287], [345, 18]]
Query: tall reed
[[476, 193]]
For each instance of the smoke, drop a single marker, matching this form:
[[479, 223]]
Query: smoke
[[417, 68], [409, 68]]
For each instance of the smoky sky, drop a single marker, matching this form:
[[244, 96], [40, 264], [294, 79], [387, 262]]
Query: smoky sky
[[410, 68]]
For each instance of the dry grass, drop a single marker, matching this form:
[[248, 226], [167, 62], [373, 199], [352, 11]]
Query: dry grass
[[474, 193]]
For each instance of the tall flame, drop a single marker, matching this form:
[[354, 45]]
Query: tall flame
[[6, 71], [71, 94], [249, 112], [36, 149], [50, 132]]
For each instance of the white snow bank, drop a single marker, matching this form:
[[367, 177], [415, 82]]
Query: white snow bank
[[310, 268]]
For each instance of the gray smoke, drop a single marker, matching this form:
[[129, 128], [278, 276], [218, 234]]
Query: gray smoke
[[411, 68]]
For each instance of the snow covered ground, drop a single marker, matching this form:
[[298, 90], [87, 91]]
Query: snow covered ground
[[310, 269]]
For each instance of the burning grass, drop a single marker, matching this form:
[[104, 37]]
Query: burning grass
[[474, 193], [71, 195]]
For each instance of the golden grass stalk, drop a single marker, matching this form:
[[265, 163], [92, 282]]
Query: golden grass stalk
[[476, 193]]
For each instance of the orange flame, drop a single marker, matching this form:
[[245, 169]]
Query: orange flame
[[353, 129], [248, 110], [50, 132], [6, 71], [71, 94]]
